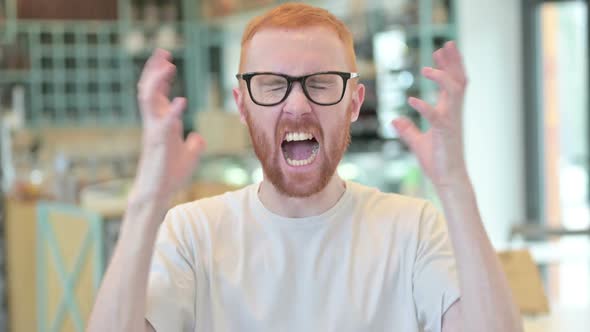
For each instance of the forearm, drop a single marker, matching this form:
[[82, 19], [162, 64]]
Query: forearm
[[486, 298], [121, 301]]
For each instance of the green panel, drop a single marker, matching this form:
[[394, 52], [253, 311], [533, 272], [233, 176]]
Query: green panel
[[8, 27]]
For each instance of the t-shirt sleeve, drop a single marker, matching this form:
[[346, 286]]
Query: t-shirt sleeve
[[171, 286], [435, 281]]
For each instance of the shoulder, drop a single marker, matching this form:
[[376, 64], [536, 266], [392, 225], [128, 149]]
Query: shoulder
[[405, 216], [394, 221], [211, 208], [191, 224], [392, 204]]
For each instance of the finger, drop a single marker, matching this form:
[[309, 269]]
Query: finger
[[408, 132], [166, 58], [163, 74], [439, 59], [194, 145], [442, 78], [162, 53], [426, 110], [455, 62], [156, 82], [158, 56], [177, 107], [165, 85]]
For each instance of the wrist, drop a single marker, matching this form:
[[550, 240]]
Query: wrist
[[458, 200], [455, 182], [150, 200], [146, 203], [141, 222], [149, 188]]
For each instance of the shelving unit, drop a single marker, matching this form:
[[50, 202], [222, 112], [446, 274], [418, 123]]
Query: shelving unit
[[79, 73], [83, 73], [74, 73]]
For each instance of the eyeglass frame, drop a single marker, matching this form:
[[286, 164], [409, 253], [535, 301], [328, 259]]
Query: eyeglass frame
[[247, 77]]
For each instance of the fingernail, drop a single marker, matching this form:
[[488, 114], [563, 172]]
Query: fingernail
[[162, 52]]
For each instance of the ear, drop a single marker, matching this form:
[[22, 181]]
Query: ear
[[239, 99], [358, 96]]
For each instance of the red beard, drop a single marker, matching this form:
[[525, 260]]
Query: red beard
[[269, 152]]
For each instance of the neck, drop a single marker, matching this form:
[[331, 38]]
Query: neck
[[296, 207]]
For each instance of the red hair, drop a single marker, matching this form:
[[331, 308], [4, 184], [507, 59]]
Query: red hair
[[299, 15]]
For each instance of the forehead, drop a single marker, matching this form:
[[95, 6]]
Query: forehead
[[295, 51]]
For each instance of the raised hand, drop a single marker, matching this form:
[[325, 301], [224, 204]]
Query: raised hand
[[166, 158], [440, 149]]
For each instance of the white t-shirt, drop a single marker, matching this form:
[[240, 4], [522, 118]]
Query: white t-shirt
[[372, 262]]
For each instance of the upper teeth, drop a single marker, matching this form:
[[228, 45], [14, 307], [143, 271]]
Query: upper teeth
[[298, 137]]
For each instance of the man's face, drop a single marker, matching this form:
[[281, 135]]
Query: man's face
[[299, 143]]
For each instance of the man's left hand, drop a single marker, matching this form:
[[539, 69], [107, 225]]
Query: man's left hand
[[440, 149]]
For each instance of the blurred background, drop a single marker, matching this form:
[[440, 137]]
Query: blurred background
[[69, 130]]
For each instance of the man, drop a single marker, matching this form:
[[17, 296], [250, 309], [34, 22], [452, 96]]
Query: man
[[303, 250]]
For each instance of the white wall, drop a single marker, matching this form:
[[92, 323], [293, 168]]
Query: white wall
[[489, 36]]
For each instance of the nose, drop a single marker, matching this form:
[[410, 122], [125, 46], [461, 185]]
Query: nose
[[297, 103]]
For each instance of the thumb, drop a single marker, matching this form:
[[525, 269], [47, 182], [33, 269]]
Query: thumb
[[408, 132]]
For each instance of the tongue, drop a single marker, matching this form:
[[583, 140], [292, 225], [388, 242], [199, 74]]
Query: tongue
[[298, 150]]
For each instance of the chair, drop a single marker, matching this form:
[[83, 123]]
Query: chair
[[70, 264]]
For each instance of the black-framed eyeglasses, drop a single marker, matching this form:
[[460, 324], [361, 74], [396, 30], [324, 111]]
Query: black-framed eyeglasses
[[323, 88]]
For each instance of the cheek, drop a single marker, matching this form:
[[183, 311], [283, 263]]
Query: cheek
[[331, 131], [334, 123], [261, 121]]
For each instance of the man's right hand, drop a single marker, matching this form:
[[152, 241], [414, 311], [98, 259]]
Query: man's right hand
[[167, 160]]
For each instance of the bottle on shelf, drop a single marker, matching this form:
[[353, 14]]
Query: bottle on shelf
[[167, 36]]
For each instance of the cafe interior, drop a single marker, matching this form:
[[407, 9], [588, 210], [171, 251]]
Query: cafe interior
[[70, 133]]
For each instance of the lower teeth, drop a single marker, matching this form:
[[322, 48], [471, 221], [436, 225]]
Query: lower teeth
[[305, 161]]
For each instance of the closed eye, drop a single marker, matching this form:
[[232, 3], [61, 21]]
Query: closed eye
[[318, 87]]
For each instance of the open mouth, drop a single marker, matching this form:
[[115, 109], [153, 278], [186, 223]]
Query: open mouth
[[299, 148]]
